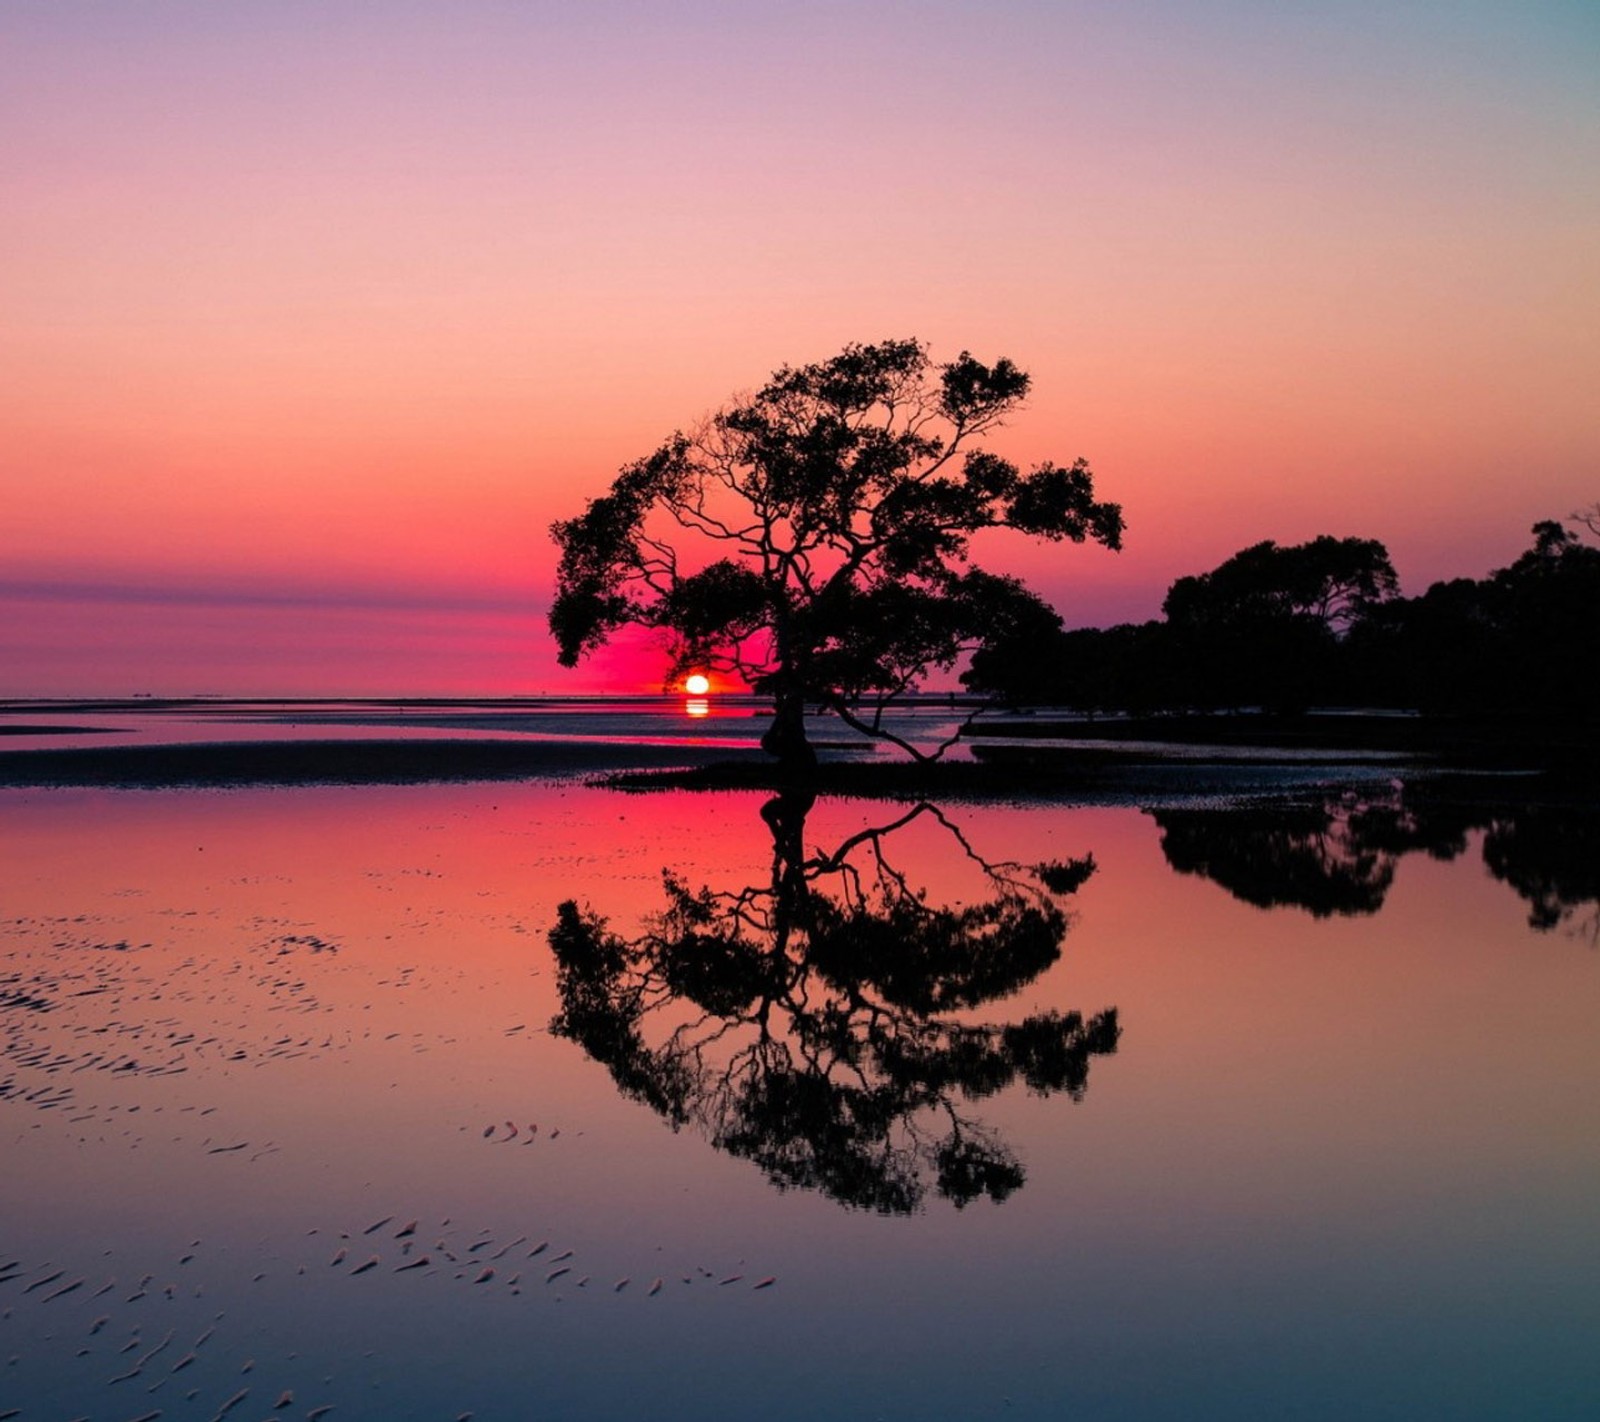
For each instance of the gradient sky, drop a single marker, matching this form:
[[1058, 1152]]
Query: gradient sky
[[314, 315]]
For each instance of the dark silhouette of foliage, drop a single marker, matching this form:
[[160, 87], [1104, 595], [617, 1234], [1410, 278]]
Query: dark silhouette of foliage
[[1320, 623], [1263, 629], [1338, 855], [1519, 644], [1310, 856], [1130, 667], [813, 539], [819, 1023], [1429, 652], [1552, 859], [1329, 581]]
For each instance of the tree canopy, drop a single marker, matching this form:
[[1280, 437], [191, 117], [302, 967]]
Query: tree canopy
[[1328, 581], [1515, 644], [1263, 628], [813, 539], [1283, 628]]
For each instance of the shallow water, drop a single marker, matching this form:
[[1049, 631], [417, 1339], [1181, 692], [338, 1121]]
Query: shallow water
[[727, 722], [1333, 1155]]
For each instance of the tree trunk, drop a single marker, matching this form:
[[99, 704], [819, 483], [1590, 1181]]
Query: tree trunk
[[785, 738]]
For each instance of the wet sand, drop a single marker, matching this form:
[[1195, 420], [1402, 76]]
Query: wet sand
[[330, 762]]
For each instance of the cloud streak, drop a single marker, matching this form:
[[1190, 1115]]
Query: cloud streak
[[326, 597]]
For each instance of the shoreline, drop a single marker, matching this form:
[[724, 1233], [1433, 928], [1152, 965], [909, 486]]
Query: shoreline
[[1018, 772], [376, 761]]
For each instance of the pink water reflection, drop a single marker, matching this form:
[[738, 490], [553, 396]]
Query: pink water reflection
[[335, 1005]]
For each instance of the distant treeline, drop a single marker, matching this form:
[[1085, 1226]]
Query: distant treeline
[[1322, 623]]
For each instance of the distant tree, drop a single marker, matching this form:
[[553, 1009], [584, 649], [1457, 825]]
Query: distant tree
[[1432, 652], [1261, 628], [1129, 667], [1547, 604], [1331, 581], [813, 538], [1557, 552], [1285, 627], [1520, 643]]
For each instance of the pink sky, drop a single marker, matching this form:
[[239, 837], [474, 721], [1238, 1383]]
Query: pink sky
[[316, 315]]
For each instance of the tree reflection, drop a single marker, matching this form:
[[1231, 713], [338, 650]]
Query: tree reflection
[[819, 1023], [1311, 856], [1338, 855], [1552, 859]]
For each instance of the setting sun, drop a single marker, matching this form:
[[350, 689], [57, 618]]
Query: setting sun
[[697, 684]]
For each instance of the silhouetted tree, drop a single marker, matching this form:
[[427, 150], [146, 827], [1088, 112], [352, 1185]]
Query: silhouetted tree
[[1548, 603], [819, 1023], [1519, 644], [813, 539], [1432, 652], [1330, 581], [1587, 518], [1263, 627], [1130, 667]]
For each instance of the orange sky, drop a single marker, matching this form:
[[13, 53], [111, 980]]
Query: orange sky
[[315, 315]]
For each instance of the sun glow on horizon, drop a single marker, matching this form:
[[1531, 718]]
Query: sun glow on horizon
[[289, 354], [697, 684]]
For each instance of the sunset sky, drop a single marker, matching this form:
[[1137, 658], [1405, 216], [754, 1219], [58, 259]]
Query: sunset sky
[[314, 315]]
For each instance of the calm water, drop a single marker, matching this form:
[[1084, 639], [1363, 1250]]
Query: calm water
[[402, 1100]]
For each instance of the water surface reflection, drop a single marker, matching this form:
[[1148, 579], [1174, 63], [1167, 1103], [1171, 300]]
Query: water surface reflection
[[1338, 854], [279, 1112], [820, 1022]]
